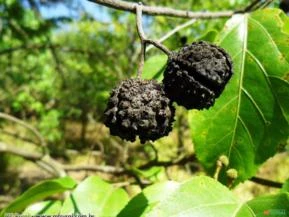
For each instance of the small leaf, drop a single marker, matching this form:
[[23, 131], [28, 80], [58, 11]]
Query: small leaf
[[154, 67], [200, 196], [148, 173], [96, 197], [39, 192], [209, 36], [273, 205]]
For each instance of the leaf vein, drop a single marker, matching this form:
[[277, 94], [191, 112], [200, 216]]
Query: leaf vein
[[244, 48], [248, 132], [249, 96]]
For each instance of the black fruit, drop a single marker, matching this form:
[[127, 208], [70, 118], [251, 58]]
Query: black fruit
[[139, 108], [197, 74]]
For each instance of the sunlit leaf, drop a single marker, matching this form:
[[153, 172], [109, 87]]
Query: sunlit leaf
[[96, 197], [199, 196], [39, 192]]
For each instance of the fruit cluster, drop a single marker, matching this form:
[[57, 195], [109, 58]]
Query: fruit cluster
[[194, 77]]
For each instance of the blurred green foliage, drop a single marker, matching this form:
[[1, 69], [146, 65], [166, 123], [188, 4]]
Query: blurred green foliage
[[56, 70]]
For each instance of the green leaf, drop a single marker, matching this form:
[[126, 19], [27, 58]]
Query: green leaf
[[154, 67], [273, 205], [209, 36], [250, 118], [148, 173], [44, 207], [200, 196], [39, 192], [96, 197], [285, 186]]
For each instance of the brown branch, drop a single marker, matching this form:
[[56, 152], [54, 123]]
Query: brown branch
[[266, 182], [4, 148], [181, 161], [173, 31], [142, 37], [120, 170], [25, 139], [97, 168], [25, 125], [43, 161], [145, 40], [251, 6], [161, 11], [158, 45]]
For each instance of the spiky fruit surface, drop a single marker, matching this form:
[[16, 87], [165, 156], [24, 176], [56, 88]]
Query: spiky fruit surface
[[197, 74], [139, 108]]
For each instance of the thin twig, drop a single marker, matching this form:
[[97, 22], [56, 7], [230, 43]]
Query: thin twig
[[144, 40], [266, 3], [4, 148], [181, 161], [159, 46], [97, 168], [255, 5], [35, 157], [142, 37], [25, 125], [162, 11], [172, 32], [25, 139], [250, 7], [266, 182]]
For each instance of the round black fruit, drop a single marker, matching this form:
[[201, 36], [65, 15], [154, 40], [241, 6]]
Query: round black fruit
[[197, 74], [139, 108]]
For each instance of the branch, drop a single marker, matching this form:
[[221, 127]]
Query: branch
[[25, 125], [25, 139], [43, 161], [144, 40], [172, 32], [181, 161], [4, 148], [266, 182], [161, 11], [142, 37], [120, 170], [97, 168]]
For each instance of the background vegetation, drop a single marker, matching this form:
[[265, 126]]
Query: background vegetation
[[59, 61]]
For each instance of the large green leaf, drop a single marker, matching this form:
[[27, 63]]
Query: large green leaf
[[96, 197], [250, 118], [272, 205], [200, 196], [39, 192]]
